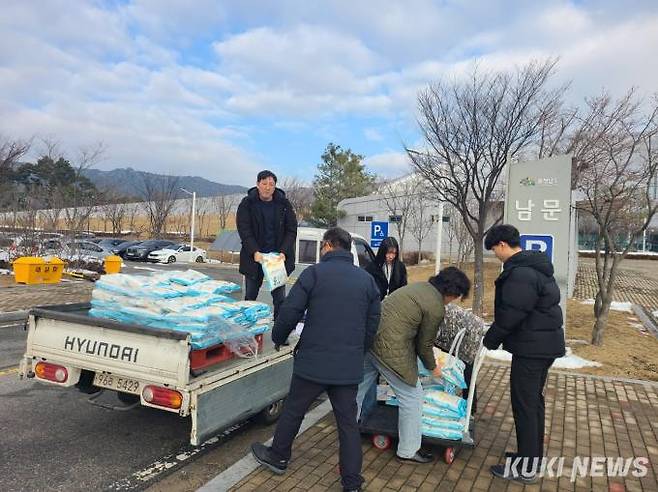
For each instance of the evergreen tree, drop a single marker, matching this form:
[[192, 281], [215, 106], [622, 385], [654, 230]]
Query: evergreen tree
[[340, 175]]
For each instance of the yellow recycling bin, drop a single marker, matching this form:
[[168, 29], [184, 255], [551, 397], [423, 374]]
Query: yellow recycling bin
[[52, 271], [35, 270], [112, 264]]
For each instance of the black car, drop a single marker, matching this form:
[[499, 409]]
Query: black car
[[120, 249], [140, 252]]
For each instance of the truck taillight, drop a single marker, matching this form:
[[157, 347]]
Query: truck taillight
[[51, 372], [164, 397]]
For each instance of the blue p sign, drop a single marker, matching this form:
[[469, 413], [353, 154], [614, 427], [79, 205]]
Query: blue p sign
[[378, 232], [538, 242]]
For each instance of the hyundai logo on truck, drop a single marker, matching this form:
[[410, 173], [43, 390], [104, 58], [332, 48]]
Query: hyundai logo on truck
[[103, 349]]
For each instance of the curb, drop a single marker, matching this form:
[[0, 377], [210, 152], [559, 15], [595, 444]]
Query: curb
[[13, 316], [563, 372], [239, 470]]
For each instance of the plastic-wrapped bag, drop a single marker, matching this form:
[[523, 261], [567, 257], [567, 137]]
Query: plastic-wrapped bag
[[214, 287], [440, 399], [188, 277], [274, 270], [441, 433], [445, 423], [452, 369]]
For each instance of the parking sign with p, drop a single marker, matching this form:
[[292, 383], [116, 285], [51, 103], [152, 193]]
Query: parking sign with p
[[378, 232], [538, 242]]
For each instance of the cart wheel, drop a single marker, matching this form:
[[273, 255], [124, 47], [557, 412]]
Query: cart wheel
[[449, 455], [382, 442]]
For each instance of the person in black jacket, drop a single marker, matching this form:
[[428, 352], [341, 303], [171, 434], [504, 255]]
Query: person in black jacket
[[266, 223], [387, 269], [528, 322], [342, 315]]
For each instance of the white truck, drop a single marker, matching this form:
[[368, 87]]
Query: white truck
[[158, 368], [155, 368]]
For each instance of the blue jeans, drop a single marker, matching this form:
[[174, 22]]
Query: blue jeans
[[409, 397]]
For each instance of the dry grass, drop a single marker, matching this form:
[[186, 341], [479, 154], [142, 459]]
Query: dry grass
[[626, 352]]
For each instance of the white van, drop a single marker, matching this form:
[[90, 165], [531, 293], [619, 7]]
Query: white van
[[307, 249]]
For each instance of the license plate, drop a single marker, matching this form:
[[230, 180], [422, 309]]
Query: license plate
[[117, 383]]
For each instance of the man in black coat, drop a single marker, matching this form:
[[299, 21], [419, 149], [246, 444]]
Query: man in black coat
[[266, 223], [342, 315], [528, 322]]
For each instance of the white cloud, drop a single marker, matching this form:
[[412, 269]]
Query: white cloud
[[388, 164], [169, 82]]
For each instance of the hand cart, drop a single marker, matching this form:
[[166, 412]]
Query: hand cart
[[381, 423]]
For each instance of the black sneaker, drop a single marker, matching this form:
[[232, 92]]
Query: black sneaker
[[500, 472], [263, 455], [420, 457]]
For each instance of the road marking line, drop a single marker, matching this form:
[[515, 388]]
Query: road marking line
[[10, 370]]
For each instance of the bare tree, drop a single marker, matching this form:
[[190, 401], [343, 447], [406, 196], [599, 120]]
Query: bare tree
[[114, 210], [11, 151], [420, 222], [300, 195], [132, 212], [202, 218], [616, 162], [471, 131], [159, 194], [458, 234], [399, 197], [224, 206]]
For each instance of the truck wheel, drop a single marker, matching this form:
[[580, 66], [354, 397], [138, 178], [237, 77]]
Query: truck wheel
[[171, 259], [128, 398], [271, 413]]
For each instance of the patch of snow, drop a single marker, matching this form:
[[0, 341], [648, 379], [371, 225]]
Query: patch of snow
[[614, 305], [569, 361], [5, 272], [146, 268], [629, 255], [210, 260], [655, 314]]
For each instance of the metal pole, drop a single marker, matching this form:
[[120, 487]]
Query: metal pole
[[439, 239], [644, 241], [192, 231]]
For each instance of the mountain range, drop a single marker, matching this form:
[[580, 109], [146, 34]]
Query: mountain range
[[126, 181]]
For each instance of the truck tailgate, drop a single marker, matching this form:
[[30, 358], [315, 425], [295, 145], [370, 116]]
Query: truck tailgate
[[102, 345]]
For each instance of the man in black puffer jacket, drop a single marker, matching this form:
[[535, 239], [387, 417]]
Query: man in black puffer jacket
[[342, 316], [266, 223], [528, 322]]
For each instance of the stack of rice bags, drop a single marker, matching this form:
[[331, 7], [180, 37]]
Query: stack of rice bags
[[183, 301], [444, 410]]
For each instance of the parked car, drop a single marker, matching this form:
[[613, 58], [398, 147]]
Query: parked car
[[178, 252], [140, 252], [120, 249], [109, 242], [74, 250]]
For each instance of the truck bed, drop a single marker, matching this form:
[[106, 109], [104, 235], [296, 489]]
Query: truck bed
[[69, 332]]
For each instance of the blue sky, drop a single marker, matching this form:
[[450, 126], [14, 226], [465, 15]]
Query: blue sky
[[225, 89]]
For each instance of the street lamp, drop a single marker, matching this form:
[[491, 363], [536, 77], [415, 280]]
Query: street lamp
[[193, 193]]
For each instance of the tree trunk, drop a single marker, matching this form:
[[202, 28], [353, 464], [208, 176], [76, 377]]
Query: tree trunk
[[601, 311], [478, 276]]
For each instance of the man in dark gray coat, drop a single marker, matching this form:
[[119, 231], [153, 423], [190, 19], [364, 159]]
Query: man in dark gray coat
[[342, 315]]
